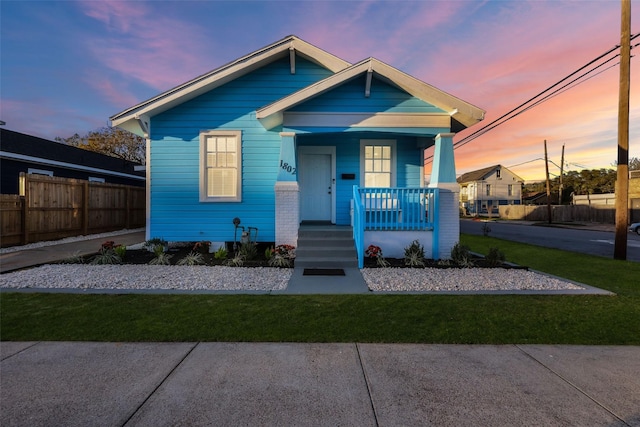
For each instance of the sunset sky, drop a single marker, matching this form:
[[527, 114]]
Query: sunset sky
[[67, 66]]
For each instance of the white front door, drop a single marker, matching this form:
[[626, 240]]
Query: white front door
[[316, 180]]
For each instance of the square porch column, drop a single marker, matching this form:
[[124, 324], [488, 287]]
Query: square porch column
[[443, 177], [287, 193]]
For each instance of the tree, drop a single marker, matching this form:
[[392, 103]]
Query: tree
[[634, 164], [111, 141]]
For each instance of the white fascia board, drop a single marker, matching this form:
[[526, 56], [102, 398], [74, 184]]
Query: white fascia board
[[372, 120], [225, 74], [49, 162], [460, 110]]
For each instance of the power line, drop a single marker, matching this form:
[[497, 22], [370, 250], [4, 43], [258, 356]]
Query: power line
[[573, 83]]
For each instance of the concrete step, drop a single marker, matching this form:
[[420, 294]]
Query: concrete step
[[326, 241], [326, 263], [327, 233], [326, 251]]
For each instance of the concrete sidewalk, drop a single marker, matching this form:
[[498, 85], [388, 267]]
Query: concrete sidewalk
[[47, 254], [288, 384]]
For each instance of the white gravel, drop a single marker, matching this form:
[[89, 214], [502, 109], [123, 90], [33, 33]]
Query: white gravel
[[461, 279], [147, 277]]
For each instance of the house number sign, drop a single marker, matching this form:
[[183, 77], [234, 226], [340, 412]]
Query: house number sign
[[287, 167]]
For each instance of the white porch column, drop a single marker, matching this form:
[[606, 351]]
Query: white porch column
[[287, 193], [443, 177]]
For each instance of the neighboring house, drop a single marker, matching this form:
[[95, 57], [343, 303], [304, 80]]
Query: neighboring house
[[291, 134], [483, 190], [25, 153]]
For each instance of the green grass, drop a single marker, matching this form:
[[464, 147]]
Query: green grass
[[487, 319]]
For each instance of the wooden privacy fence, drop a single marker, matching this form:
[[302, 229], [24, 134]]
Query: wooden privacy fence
[[605, 214], [50, 208]]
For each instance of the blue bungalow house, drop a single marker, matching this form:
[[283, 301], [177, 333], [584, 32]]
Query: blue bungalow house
[[292, 134]]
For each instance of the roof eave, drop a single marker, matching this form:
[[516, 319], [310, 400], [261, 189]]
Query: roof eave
[[127, 119]]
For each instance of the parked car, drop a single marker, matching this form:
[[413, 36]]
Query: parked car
[[635, 227]]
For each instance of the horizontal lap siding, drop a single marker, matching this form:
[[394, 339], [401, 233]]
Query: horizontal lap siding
[[176, 212], [349, 97]]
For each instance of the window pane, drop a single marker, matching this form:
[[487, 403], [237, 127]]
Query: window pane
[[386, 152], [231, 144], [368, 151], [368, 165], [222, 161], [377, 152], [211, 159], [211, 143], [222, 144], [231, 159], [386, 166], [221, 182]]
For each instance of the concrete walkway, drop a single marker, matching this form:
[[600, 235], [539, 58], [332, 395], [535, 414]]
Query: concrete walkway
[[289, 384], [47, 254]]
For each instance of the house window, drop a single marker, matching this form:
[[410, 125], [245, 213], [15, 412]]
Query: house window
[[488, 189], [510, 190], [378, 163], [220, 166], [497, 173]]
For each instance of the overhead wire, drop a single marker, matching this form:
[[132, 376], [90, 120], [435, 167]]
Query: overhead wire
[[534, 101]]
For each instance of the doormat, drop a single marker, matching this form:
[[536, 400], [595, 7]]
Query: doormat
[[323, 272]]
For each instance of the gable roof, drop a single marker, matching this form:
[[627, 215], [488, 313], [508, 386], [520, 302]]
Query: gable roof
[[136, 119], [461, 111], [480, 174]]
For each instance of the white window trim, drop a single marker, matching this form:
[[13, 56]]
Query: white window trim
[[394, 158], [203, 166]]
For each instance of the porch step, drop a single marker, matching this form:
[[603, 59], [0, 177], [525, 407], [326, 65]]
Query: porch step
[[325, 247]]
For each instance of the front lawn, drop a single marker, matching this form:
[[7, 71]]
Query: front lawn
[[478, 319]]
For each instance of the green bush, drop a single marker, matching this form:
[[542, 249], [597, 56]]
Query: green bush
[[461, 255], [221, 253], [494, 257], [193, 258], [414, 254]]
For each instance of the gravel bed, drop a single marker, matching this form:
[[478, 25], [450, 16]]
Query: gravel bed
[[141, 277], [127, 277], [461, 279]]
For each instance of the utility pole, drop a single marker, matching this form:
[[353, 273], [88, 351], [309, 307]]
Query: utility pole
[[622, 181], [546, 168], [561, 171]]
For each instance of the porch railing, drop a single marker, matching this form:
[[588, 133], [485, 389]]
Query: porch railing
[[392, 209]]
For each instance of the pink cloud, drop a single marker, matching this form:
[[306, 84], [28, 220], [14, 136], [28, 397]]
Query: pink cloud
[[161, 52]]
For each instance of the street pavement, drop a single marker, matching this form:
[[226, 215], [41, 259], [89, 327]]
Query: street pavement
[[303, 384]]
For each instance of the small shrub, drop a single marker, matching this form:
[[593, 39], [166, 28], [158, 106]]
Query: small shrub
[[121, 251], [151, 244], [374, 251], [495, 257], [221, 253], [109, 244], [414, 254], [277, 260], [461, 256], [236, 261], [285, 251], [193, 258], [161, 258], [269, 253], [105, 257], [158, 250], [248, 251], [202, 247]]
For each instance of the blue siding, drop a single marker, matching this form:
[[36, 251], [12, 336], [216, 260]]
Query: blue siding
[[349, 97], [176, 213]]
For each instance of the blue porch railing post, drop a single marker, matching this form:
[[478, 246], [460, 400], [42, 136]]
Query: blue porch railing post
[[358, 225], [436, 224]]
